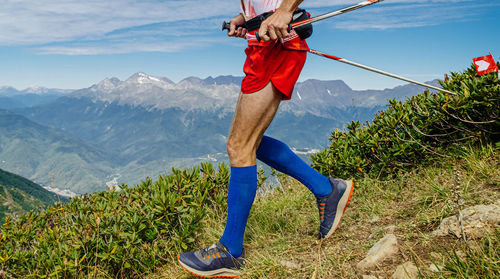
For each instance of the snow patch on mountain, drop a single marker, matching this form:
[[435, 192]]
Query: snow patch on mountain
[[316, 96], [160, 93], [145, 79], [36, 90]]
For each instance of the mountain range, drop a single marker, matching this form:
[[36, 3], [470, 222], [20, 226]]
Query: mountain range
[[11, 98], [122, 131]]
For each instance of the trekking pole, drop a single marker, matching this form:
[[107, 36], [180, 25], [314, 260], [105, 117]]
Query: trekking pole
[[226, 25], [377, 71], [334, 13]]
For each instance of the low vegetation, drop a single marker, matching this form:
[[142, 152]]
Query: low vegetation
[[281, 236], [424, 128], [406, 163], [123, 233]]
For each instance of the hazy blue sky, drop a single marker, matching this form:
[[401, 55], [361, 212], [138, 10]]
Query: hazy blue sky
[[74, 43]]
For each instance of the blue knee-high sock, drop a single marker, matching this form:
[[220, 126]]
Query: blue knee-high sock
[[279, 156], [241, 193]]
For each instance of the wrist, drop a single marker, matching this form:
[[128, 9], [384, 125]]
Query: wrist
[[289, 6], [285, 10], [238, 19], [242, 15]]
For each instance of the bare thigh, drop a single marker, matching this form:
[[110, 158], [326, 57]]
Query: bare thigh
[[254, 112]]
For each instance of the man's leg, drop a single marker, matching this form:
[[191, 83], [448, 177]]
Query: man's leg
[[332, 195], [278, 155], [254, 112]]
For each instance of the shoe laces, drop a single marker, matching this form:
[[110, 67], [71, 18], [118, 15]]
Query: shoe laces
[[213, 251], [321, 206]]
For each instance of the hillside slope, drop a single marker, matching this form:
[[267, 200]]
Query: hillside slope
[[19, 195], [280, 238], [422, 176], [34, 151]]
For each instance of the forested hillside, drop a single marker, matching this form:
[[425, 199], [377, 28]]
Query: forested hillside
[[19, 195]]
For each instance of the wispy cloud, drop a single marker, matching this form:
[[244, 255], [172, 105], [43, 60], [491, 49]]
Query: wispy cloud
[[125, 46], [157, 37], [47, 21], [326, 3], [413, 15], [74, 27]]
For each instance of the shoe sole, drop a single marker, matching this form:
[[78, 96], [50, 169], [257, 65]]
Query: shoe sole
[[217, 273], [342, 206]]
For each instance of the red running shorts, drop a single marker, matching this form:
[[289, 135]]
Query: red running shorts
[[272, 63]]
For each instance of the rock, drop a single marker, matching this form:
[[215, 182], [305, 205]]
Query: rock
[[435, 268], [374, 219], [371, 235], [477, 220], [383, 249], [390, 229], [291, 265], [408, 270]]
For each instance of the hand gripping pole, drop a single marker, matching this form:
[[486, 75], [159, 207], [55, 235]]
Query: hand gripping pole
[[226, 25]]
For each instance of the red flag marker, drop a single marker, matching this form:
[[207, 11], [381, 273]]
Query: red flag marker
[[485, 64]]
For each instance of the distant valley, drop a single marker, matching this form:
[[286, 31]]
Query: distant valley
[[122, 131]]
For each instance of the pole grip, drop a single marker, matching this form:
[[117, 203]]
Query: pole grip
[[226, 26]]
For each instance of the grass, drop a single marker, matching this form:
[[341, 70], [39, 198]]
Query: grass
[[476, 259], [280, 240]]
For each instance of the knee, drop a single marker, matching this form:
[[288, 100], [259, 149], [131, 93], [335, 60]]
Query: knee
[[232, 148], [239, 153]]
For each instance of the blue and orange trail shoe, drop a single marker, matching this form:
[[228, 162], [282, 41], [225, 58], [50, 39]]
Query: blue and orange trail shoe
[[212, 262], [332, 207]]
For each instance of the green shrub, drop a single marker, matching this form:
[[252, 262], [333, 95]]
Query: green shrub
[[124, 233], [426, 126]]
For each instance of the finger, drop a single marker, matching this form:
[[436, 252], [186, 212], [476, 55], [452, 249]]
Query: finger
[[272, 34], [263, 32], [264, 38], [244, 32], [279, 33], [239, 32], [232, 29], [284, 32]]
